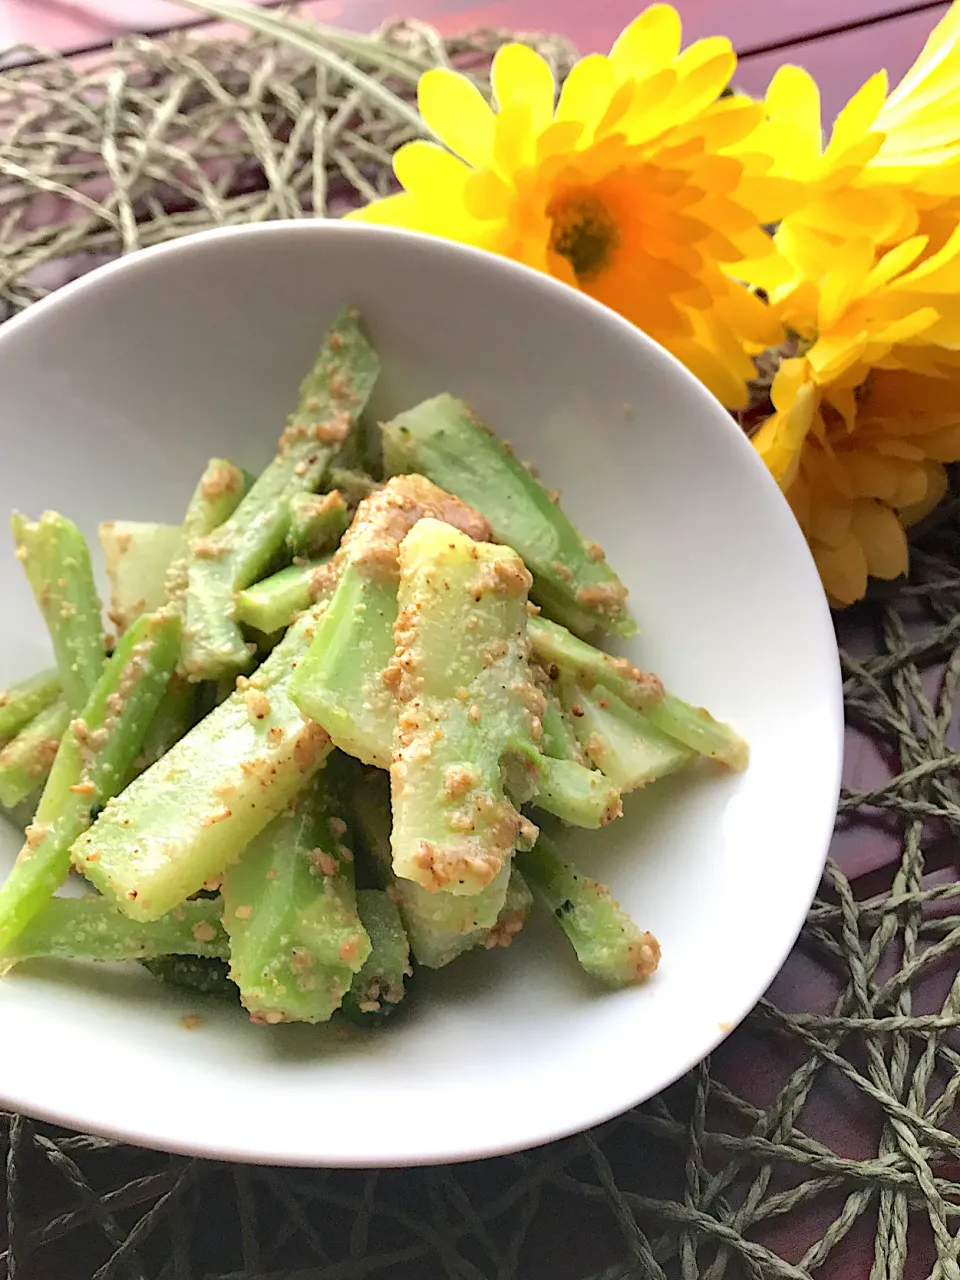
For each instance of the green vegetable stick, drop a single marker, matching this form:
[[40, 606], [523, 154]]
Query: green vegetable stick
[[443, 439], [219, 492], [27, 698], [138, 555], [582, 797], [341, 683], [569, 658], [95, 757], [204, 975], [290, 909], [93, 929], [273, 603], [170, 722], [378, 987], [440, 926], [628, 750], [57, 563], [607, 942], [332, 397], [317, 522], [354, 485], [26, 761], [467, 703], [559, 739], [192, 813]]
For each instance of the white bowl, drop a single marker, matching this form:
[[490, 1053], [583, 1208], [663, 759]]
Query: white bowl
[[115, 391]]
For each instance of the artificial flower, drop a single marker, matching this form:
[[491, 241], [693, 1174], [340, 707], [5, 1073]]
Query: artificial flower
[[867, 409], [638, 185], [891, 167]]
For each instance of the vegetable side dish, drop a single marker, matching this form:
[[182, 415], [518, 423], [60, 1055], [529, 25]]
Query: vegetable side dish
[[342, 699]]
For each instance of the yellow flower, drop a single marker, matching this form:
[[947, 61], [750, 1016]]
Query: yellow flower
[[890, 170], [868, 410], [626, 187]]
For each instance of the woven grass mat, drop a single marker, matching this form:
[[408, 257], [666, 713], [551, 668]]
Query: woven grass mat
[[822, 1138]]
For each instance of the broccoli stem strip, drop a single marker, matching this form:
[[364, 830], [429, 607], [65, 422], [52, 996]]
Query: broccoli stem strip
[[93, 929], [579, 663], [579, 796], [607, 942], [331, 398], [26, 761], [95, 757], [219, 492], [621, 742], [21, 702], [189, 815], [341, 684], [296, 940], [172, 719], [138, 555], [317, 522], [56, 559], [467, 704], [379, 986], [205, 975], [274, 602], [440, 926], [443, 440]]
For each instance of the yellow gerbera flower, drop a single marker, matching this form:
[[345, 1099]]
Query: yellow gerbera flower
[[626, 187], [868, 410], [890, 170]]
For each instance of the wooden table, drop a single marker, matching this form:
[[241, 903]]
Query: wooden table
[[841, 42]]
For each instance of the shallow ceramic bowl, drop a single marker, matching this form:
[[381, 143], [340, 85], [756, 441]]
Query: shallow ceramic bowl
[[113, 394]]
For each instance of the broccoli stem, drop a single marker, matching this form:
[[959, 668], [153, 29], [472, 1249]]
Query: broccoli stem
[[206, 975], [443, 440], [22, 701], [579, 663], [191, 814], [331, 398], [93, 929], [440, 926], [57, 563], [296, 940], [467, 705], [317, 522], [170, 722], [26, 761], [621, 742], [607, 942], [341, 682], [138, 555], [354, 485], [379, 987], [95, 756], [582, 797], [273, 603], [219, 492]]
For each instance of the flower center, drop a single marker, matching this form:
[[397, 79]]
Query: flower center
[[584, 233]]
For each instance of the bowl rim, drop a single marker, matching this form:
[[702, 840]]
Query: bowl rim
[[71, 1114]]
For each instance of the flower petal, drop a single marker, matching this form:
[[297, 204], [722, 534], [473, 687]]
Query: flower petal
[[587, 90], [428, 171], [882, 537], [457, 113], [520, 76], [843, 569], [649, 43]]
